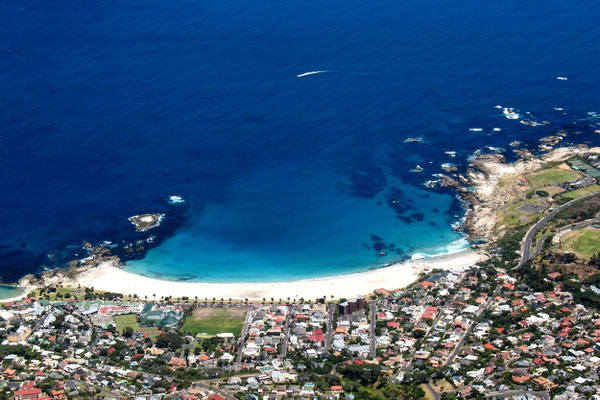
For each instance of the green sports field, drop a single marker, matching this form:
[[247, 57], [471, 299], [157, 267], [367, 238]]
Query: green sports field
[[568, 196], [124, 321], [212, 321], [552, 176], [583, 242]]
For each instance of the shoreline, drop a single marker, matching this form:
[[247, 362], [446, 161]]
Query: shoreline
[[479, 222], [13, 299], [108, 276], [24, 292]]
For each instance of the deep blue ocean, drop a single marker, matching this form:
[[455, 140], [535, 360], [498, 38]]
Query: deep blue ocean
[[109, 107]]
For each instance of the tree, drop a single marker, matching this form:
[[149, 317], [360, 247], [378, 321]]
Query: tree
[[128, 332], [170, 340]]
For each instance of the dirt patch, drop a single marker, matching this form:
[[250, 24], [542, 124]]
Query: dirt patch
[[204, 313]]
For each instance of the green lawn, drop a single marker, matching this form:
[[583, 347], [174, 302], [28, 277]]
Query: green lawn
[[212, 321], [583, 242], [552, 176], [568, 196], [124, 321], [511, 218]]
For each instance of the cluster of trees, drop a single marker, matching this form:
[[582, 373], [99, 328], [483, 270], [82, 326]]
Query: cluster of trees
[[560, 258], [509, 246], [581, 211], [364, 374], [170, 340], [595, 261], [533, 278]]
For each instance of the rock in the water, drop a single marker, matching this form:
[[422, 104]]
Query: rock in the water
[[145, 222]]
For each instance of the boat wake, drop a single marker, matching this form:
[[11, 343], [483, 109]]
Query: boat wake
[[312, 73]]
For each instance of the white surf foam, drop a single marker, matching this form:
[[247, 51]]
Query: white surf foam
[[451, 248], [510, 113], [176, 199]]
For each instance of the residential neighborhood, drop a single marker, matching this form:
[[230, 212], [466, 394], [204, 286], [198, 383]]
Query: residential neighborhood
[[453, 334]]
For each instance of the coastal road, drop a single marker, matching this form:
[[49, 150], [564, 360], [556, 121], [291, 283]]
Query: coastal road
[[286, 336], [540, 243], [372, 338], [247, 322], [329, 334], [510, 393], [526, 253]]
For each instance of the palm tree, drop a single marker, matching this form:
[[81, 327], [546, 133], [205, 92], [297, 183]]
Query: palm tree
[[196, 299]]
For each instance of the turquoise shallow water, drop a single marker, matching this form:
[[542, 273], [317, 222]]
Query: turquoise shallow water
[[8, 292], [282, 237]]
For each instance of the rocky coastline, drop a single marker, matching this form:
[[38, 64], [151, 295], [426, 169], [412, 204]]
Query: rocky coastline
[[480, 193]]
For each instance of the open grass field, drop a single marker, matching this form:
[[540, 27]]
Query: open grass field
[[428, 395], [513, 217], [442, 386], [124, 321], [212, 321], [583, 242], [568, 196], [552, 176], [553, 190]]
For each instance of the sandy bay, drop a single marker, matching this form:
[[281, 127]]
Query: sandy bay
[[107, 276]]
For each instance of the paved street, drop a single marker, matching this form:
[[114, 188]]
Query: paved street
[[247, 322], [286, 335], [329, 336], [373, 320], [526, 253]]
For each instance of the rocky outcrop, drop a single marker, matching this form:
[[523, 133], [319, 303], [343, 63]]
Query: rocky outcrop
[[146, 222]]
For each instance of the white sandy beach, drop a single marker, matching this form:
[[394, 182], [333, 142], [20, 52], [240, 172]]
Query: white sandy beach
[[109, 277], [16, 298]]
